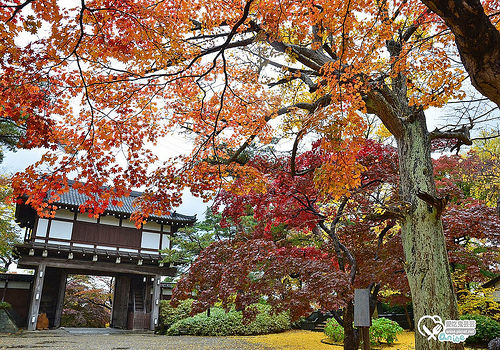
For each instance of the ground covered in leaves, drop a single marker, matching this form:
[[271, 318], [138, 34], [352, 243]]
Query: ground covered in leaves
[[111, 339], [307, 340]]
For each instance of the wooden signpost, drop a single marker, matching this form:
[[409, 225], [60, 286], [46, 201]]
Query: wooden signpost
[[362, 316]]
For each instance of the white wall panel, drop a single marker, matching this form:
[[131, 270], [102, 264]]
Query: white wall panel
[[64, 214], [152, 226], [128, 250], [150, 240], [85, 218], [58, 242], [109, 220], [106, 247], [165, 241], [83, 245], [128, 223], [60, 229], [41, 228]]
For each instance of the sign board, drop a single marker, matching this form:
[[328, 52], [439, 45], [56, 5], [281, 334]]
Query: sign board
[[362, 317]]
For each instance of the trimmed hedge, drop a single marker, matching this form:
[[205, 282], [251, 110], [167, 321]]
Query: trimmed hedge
[[334, 331], [382, 329], [486, 329], [222, 323], [169, 314]]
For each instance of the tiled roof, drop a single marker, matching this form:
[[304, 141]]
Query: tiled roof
[[18, 277], [73, 198]]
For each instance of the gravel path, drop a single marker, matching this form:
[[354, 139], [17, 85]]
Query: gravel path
[[66, 339]]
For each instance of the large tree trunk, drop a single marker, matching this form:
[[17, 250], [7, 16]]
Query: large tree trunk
[[478, 42], [351, 334], [422, 233]]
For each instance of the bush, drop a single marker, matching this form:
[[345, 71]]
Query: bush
[[4, 305], [383, 329], [480, 302], [334, 331], [222, 323], [486, 329], [169, 314]]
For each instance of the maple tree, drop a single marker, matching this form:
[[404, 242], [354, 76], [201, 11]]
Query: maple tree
[[470, 222], [87, 301], [357, 232], [101, 83], [350, 247]]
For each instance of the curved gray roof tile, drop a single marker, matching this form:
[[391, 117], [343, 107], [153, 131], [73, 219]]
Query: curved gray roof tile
[[73, 198]]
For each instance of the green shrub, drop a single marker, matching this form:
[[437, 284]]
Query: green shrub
[[169, 314], [383, 329], [4, 305], [222, 323], [334, 331], [486, 329]]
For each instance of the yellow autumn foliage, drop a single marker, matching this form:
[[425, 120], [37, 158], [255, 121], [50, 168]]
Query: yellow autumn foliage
[[480, 301], [309, 340]]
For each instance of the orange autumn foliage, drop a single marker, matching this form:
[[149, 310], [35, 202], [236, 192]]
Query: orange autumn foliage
[[104, 83]]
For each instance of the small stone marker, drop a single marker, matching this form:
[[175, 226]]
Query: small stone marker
[[362, 317]]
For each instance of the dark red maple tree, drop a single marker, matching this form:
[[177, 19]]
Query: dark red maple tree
[[309, 250], [306, 250]]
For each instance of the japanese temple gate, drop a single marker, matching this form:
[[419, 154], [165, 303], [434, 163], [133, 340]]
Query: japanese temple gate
[[111, 245]]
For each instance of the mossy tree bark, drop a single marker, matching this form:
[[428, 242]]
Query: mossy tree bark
[[426, 258], [426, 262]]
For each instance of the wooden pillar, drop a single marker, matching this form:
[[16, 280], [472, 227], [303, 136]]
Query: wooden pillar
[[365, 335], [120, 302], [60, 299], [155, 303], [362, 315], [147, 295], [36, 296]]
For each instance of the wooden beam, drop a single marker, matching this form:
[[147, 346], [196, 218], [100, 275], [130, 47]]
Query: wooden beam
[[60, 299], [365, 336], [36, 296], [155, 303], [94, 267]]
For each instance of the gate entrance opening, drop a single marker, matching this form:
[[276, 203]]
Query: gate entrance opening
[[88, 301]]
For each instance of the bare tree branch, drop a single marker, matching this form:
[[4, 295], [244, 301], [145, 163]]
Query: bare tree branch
[[462, 135]]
